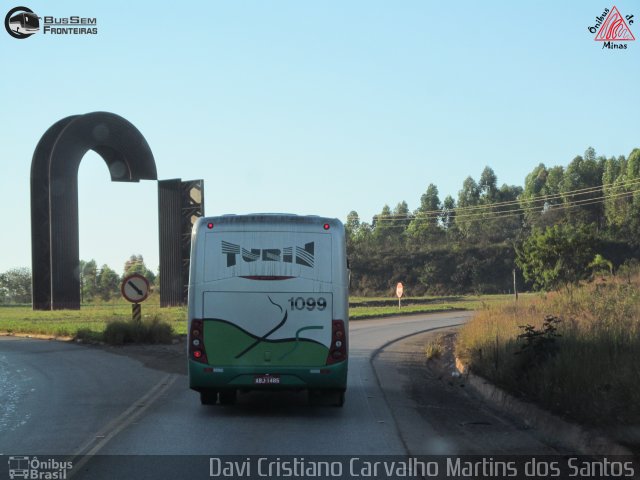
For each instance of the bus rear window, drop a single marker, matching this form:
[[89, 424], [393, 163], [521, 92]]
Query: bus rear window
[[267, 254]]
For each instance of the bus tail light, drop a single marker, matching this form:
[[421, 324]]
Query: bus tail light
[[338, 349], [196, 342]]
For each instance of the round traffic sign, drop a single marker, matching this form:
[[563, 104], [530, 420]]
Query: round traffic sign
[[135, 288], [399, 290]]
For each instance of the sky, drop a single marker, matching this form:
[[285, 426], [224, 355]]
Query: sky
[[310, 107]]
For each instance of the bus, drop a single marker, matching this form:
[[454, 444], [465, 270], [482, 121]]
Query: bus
[[26, 23], [268, 306], [18, 467]]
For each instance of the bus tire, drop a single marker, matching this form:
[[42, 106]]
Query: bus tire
[[209, 397], [228, 397], [315, 397], [326, 397]]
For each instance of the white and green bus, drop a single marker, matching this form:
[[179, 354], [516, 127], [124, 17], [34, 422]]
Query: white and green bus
[[268, 306]]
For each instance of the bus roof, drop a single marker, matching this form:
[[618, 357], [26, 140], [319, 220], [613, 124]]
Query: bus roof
[[271, 218]]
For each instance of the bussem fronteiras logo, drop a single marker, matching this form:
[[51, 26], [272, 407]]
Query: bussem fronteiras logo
[[612, 29], [21, 22]]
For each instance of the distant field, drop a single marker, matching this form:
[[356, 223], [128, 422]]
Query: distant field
[[368, 307], [94, 318]]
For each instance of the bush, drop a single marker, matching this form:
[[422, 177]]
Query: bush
[[88, 335], [433, 349], [538, 345], [154, 330], [584, 366]]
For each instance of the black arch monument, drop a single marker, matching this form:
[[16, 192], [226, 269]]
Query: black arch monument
[[54, 196]]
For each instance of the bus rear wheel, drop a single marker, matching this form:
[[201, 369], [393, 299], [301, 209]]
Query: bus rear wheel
[[209, 397], [228, 397], [326, 397]]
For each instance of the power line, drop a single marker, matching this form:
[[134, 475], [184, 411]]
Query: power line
[[391, 221], [541, 199]]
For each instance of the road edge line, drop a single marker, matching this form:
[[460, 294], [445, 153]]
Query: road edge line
[[115, 426], [372, 359]]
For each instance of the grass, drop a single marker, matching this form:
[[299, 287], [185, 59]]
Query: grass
[[359, 313], [93, 321], [574, 353], [366, 307], [434, 348], [89, 323]]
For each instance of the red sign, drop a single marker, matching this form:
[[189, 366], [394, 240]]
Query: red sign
[[399, 290], [135, 288]]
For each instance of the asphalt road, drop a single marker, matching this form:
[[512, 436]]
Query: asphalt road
[[65, 399]]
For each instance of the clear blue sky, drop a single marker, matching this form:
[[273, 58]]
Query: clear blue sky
[[311, 107]]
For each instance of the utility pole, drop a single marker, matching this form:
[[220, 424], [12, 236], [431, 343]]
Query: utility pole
[[515, 287]]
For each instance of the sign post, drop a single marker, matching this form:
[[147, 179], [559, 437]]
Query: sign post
[[135, 289], [399, 292]]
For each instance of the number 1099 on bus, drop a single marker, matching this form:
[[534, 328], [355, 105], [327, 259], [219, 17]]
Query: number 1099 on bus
[[310, 303]]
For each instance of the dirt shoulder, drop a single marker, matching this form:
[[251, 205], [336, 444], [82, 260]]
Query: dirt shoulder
[[170, 358], [436, 411]]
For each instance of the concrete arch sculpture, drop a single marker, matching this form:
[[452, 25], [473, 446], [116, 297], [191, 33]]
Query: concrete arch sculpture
[[54, 196]]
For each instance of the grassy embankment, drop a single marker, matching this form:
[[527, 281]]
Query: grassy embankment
[[578, 357], [110, 322], [107, 321], [366, 307]]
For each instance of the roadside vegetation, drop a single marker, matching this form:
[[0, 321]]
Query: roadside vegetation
[[363, 307], [574, 351], [110, 322], [434, 348], [106, 321], [587, 213]]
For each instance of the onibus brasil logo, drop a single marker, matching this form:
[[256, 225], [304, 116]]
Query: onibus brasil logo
[[32, 468], [612, 29]]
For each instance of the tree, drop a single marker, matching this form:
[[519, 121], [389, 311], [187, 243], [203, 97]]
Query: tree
[[469, 245], [541, 196], [383, 223], [600, 264], [108, 283], [353, 222], [469, 196], [426, 217], [633, 175], [351, 228], [488, 185], [15, 286], [88, 280], [552, 185], [448, 215], [429, 201], [401, 217], [136, 264], [558, 256], [617, 205], [583, 173], [633, 164], [533, 189]]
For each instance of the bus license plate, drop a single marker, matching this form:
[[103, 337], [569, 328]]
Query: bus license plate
[[266, 379]]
